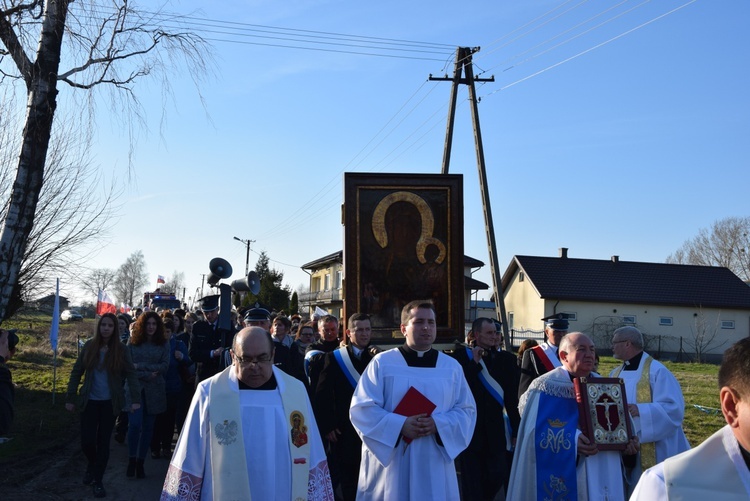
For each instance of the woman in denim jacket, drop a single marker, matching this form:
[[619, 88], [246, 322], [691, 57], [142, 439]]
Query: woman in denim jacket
[[106, 363]]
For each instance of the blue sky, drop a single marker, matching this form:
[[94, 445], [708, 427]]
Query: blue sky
[[625, 138]]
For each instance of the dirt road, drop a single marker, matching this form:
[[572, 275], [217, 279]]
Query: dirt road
[[62, 471]]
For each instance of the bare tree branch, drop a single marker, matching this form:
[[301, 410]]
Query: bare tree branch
[[109, 46], [726, 243]]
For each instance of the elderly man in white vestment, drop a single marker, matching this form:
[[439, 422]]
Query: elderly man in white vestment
[[553, 459], [654, 399], [412, 457], [719, 468], [250, 434]]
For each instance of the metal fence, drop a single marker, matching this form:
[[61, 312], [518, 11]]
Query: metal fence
[[519, 336], [675, 348]]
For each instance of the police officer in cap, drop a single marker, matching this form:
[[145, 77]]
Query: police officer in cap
[[209, 344], [257, 316], [543, 358]]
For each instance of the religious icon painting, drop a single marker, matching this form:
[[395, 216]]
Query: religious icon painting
[[603, 411], [299, 429], [404, 241]]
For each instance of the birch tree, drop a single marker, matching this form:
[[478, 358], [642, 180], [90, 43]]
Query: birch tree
[[103, 44]]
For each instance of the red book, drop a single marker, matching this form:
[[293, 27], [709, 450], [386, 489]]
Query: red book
[[413, 403]]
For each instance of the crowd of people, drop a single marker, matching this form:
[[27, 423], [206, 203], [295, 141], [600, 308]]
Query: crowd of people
[[274, 407]]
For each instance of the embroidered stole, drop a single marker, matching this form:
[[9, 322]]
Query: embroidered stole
[[549, 362], [344, 359], [228, 461], [496, 391], [555, 447], [643, 394]]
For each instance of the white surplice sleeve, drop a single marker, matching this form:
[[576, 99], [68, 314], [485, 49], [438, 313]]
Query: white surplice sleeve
[[455, 424]]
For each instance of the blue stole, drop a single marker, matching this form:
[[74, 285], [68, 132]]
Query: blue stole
[[555, 447], [345, 363], [496, 391]]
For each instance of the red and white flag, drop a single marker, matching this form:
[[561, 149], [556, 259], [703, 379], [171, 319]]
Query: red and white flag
[[124, 308], [104, 304], [160, 279]]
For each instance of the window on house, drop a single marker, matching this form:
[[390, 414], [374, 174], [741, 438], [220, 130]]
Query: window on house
[[666, 321], [316, 284], [727, 324], [521, 276], [327, 282], [629, 319], [337, 281], [510, 320]]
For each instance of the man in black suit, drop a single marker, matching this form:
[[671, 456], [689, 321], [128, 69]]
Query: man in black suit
[[210, 344], [493, 376], [333, 395]]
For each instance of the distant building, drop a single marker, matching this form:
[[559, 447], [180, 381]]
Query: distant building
[[326, 286], [47, 303], [684, 311]]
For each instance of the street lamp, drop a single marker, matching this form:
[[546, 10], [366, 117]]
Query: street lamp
[[247, 257]]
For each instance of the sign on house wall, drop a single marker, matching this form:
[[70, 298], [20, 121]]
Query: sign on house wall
[[404, 241]]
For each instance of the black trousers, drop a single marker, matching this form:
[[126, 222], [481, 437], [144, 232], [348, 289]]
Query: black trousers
[[483, 473], [97, 422], [164, 425]]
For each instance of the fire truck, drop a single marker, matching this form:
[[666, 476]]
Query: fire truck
[[158, 299]]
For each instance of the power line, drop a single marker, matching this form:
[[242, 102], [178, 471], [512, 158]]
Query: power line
[[559, 63]]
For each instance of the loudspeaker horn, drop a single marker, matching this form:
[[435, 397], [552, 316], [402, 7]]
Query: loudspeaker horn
[[251, 283], [220, 268]]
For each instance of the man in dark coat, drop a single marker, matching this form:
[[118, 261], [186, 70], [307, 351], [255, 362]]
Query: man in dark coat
[[210, 344], [328, 328], [333, 395], [493, 377]]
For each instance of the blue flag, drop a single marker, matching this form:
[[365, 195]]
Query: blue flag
[[55, 318]]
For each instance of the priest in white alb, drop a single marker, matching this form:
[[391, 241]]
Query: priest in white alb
[[719, 468], [250, 434], [553, 458], [411, 457], [654, 398]]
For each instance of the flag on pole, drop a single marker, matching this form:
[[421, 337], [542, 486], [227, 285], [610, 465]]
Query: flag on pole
[[160, 280], [55, 318], [104, 303]]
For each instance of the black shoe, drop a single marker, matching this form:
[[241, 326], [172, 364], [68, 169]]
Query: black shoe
[[131, 468], [88, 477], [99, 491], [139, 472], [155, 454]]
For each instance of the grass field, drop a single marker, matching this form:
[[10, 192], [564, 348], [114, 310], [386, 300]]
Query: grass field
[[41, 426]]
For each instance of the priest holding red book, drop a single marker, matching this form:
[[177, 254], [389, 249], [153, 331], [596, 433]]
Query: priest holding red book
[[409, 446]]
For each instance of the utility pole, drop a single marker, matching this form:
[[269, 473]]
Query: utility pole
[[464, 64], [247, 257]]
